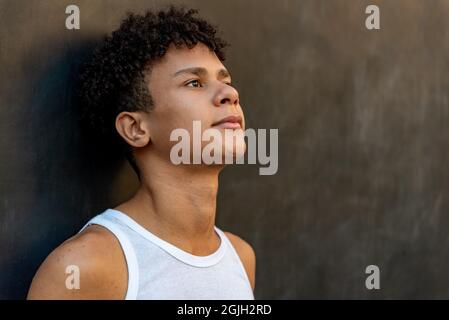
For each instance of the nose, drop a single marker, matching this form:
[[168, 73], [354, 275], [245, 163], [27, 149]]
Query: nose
[[226, 95]]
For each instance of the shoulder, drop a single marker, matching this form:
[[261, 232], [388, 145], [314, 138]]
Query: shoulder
[[246, 254], [90, 265]]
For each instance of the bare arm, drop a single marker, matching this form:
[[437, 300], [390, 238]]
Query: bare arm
[[93, 257], [247, 255]]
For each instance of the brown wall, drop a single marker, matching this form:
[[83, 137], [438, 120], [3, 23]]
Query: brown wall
[[363, 141]]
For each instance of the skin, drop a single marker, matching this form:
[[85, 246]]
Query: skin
[[176, 203]]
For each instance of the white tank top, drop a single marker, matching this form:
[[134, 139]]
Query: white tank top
[[159, 270]]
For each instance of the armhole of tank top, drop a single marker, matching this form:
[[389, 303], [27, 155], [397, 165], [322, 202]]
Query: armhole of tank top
[[128, 251], [239, 261]]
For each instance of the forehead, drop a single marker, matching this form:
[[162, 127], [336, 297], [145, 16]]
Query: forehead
[[181, 58]]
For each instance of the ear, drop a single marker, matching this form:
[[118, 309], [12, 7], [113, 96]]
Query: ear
[[133, 128]]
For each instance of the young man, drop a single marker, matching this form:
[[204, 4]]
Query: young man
[[156, 73]]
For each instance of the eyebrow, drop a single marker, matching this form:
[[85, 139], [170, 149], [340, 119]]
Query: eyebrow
[[201, 72]]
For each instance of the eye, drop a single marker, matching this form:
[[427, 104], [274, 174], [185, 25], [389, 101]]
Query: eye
[[194, 83]]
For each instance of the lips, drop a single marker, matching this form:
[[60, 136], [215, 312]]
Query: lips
[[230, 122]]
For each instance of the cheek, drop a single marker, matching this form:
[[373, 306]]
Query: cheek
[[186, 107], [179, 113]]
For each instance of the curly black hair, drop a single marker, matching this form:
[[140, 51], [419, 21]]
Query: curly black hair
[[113, 79]]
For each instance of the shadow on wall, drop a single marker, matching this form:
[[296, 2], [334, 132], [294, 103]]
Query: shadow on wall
[[58, 177]]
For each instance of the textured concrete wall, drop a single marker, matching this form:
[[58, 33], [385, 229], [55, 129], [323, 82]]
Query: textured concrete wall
[[363, 141]]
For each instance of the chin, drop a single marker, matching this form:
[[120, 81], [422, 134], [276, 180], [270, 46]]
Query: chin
[[236, 149], [224, 151]]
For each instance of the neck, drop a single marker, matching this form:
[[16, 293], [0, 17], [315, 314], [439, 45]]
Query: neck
[[178, 204]]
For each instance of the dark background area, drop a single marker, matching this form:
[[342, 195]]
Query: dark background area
[[363, 141]]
